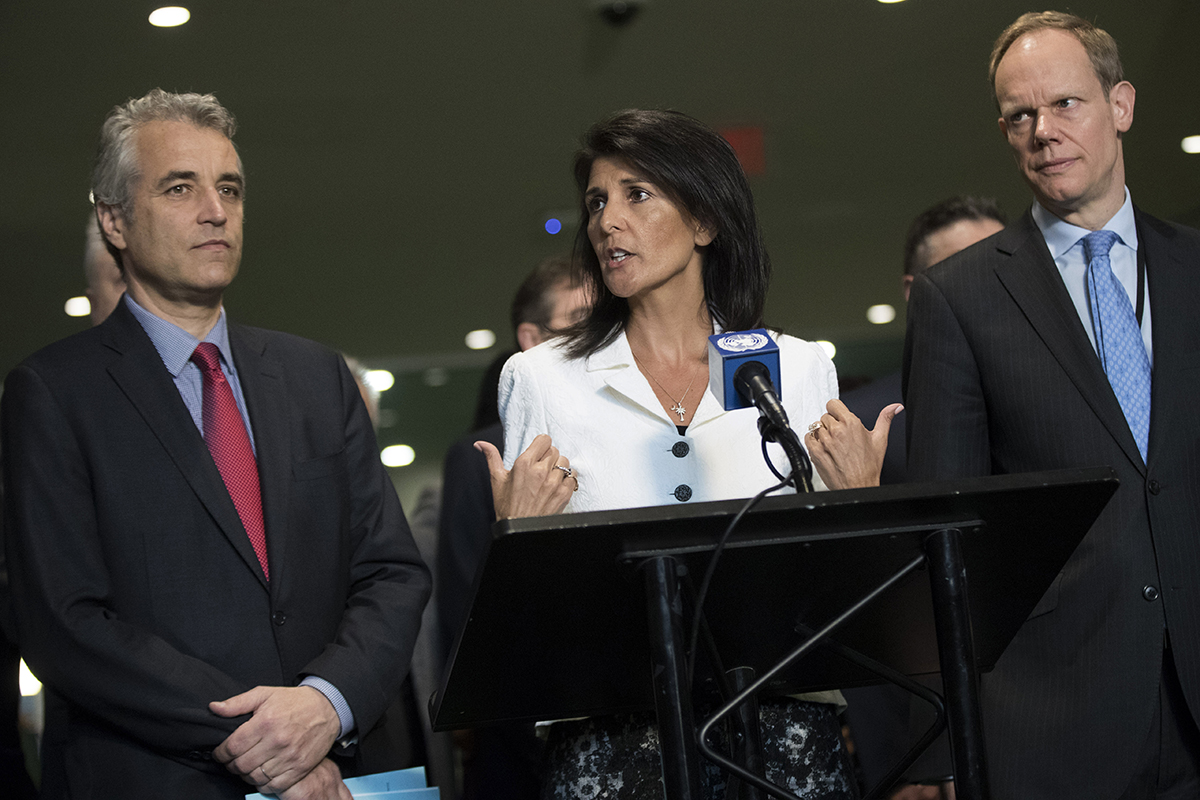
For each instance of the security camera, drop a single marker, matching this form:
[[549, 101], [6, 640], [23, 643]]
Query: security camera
[[617, 12]]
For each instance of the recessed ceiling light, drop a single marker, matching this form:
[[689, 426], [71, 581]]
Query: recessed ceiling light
[[881, 314], [828, 347], [1191, 144], [481, 339], [169, 16], [78, 307], [397, 455], [379, 379], [891, 1]]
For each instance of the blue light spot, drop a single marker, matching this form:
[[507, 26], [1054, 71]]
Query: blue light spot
[[553, 226]]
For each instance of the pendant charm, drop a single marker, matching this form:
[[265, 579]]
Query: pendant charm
[[679, 409]]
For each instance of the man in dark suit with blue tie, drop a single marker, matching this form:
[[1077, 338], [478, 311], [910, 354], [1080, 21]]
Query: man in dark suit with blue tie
[[1070, 339], [211, 571]]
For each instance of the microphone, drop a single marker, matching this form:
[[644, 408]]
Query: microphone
[[729, 351], [753, 381], [743, 372]]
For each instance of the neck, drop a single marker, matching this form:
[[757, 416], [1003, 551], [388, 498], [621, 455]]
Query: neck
[[1093, 215], [195, 318], [674, 339], [670, 327]]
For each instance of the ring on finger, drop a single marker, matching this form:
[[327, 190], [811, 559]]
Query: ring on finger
[[568, 472], [813, 428]]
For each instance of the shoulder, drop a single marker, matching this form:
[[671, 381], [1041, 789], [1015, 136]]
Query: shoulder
[[1020, 241], [548, 361], [797, 349], [798, 356], [66, 354], [293, 352], [77, 362], [1174, 234]]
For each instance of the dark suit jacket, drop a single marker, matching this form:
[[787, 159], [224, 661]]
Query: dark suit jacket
[[464, 528], [137, 595], [1000, 378]]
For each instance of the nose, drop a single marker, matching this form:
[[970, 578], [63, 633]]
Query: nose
[[212, 209], [1045, 130], [610, 218]]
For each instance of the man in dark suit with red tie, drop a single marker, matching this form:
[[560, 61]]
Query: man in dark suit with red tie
[[211, 571], [1069, 339]]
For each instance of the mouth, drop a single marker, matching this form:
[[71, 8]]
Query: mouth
[[213, 244], [1054, 166], [615, 256]]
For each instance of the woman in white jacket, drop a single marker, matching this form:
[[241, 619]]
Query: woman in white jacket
[[617, 412]]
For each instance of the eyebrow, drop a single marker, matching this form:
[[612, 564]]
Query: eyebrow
[[623, 182], [189, 175]]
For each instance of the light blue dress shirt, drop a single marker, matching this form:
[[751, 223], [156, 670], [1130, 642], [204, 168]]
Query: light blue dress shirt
[[1064, 241], [175, 347]]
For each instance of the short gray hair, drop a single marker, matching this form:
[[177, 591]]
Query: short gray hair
[[116, 168]]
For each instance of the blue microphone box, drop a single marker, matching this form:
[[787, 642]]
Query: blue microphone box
[[728, 351]]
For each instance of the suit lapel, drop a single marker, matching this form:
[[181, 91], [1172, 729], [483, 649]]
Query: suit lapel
[[621, 375], [265, 391], [140, 374], [1031, 278], [1175, 297]]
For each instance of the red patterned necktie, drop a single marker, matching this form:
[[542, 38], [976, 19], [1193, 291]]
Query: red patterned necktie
[[227, 440]]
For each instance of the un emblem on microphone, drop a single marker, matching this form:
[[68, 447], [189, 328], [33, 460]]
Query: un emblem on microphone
[[743, 342]]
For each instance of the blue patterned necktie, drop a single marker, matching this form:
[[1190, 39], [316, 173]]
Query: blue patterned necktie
[[1118, 337]]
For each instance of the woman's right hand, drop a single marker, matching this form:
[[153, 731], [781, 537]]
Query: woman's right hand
[[540, 482]]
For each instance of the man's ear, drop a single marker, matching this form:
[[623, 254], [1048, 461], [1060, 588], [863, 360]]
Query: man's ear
[[112, 224], [529, 335], [1120, 100]]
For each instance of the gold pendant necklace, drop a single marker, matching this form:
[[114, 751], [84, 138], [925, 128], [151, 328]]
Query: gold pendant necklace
[[678, 408]]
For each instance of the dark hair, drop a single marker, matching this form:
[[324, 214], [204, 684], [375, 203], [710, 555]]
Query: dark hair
[[1100, 47], [943, 215], [699, 171], [534, 301]]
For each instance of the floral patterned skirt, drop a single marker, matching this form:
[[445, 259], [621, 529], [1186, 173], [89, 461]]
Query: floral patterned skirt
[[617, 757]]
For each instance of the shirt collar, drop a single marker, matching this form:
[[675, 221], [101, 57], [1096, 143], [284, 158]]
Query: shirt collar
[[175, 345], [1061, 236]]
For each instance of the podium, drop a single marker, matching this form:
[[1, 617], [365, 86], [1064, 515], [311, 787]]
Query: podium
[[579, 614]]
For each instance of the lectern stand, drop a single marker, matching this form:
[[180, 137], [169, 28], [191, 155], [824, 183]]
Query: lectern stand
[[577, 615]]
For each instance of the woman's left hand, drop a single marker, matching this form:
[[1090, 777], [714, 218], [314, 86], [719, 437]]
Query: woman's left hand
[[844, 452]]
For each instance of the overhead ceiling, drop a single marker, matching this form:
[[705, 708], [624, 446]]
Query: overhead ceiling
[[401, 157]]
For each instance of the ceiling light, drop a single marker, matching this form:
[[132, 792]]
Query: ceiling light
[[169, 16], [828, 347], [891, 1], [379, 379], [1191, 144], [78, 307], [397, 455], [481, 339], [881, 314]]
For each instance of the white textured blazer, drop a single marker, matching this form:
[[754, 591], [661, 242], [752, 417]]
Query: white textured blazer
[[602, 414]]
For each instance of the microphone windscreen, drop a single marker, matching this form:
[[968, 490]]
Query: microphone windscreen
[[728, 351]]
